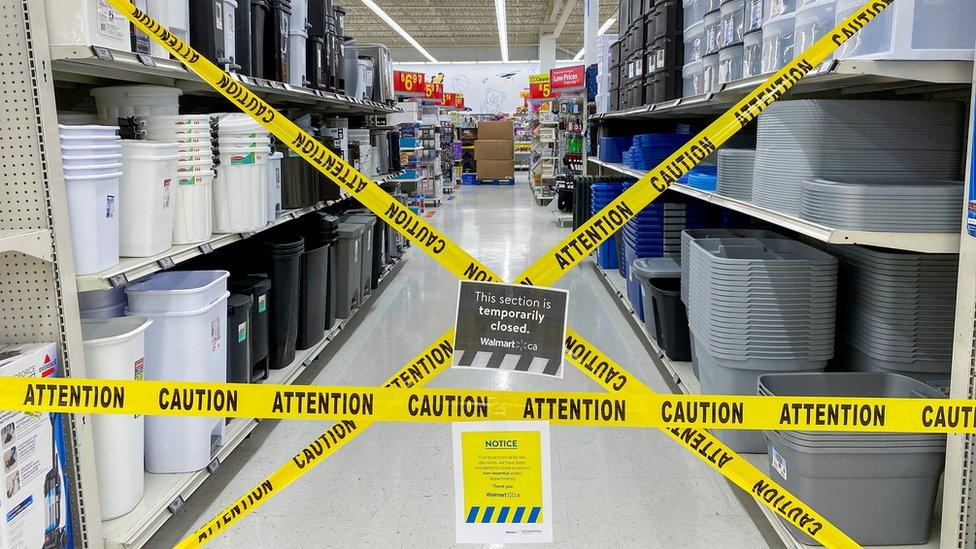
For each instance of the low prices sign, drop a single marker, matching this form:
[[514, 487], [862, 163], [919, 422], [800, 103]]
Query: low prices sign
[[568, 79], [409, 83], [433, 91], [540, 87]]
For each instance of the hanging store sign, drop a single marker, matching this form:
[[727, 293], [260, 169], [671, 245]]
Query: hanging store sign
[[433, 91], [409, 83], [540, 87], [568, 79], [510, 327], [459, 101], [448, 100], [502, 482]]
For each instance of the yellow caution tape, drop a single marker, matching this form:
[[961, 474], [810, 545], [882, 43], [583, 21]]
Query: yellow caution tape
[[366, 191], [614, 378], [883, 415], [584, 240], [418, 372]]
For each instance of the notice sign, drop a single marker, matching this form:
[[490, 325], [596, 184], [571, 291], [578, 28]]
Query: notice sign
[[502, 482], [511, 327]]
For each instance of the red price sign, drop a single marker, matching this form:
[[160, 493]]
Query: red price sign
[[448, 100], [540, 87], [434, 91], [409, 83], [568, 78], [459, 101]]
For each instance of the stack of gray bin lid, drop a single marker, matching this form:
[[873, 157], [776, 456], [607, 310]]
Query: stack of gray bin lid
[[904, 206], [842, 474], [840, 139], [675, 218], [758, 306], [898, 311], [736, 168]]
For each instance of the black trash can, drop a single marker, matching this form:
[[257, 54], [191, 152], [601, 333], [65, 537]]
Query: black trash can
[[260, 20], [258, 288], [671, 318], [280, 255], [315, 69], [238, 338], [242, 22], [276, 41], [206, 36], [313, 315], [326, 226]]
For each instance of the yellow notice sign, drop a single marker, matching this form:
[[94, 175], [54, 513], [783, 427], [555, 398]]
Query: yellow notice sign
[[503, 482]]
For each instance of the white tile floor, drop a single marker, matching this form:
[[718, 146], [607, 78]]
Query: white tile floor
[[393, 486]]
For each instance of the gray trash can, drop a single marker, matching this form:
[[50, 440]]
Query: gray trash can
[[369, 243], [645, 270], [878, 488], [349, 270]]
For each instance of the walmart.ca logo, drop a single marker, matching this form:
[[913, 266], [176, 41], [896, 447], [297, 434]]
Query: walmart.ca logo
[[504, 515]]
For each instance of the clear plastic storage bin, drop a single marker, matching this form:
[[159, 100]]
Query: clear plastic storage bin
[[753, 18], [730, 64], [732, 27], [693, 79], [813, 21], [777, 46], [752, 45], [921, 29], [713, 22], [695, 42], [710, 72]]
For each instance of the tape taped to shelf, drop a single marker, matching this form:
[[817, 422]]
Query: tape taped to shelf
[[602, 225], [419, 371], [366, 191], [714, 452], [444, 405]]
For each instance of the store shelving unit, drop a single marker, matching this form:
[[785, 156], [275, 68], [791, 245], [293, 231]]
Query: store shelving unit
[[918, 242], [938, 80], [166, 493]]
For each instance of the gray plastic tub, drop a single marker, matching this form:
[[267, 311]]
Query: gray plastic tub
[[687, 236], [878, 488], [366, 250], [349, 258]]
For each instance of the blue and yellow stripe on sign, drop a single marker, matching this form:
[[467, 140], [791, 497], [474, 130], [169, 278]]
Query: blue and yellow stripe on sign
[[504, 515]]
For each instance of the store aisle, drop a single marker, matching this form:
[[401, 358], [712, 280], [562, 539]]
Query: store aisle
[[393, 485]]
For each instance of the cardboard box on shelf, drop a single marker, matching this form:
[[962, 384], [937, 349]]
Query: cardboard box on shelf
[[496, 130], [496, 169], [493, 149]]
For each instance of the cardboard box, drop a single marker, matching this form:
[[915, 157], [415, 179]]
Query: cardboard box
[[494, 149], [496, 130], [496, 169], [34, 496]]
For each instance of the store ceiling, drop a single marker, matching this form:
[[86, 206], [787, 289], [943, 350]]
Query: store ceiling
[[466, 30]]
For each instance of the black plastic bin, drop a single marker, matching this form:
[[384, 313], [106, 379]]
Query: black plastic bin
[[670, 318], [315, 63], [260, 20], [318, 10], [320, 231], [206, 36], [323, 228], [238, 338], [258, 288], [280, 255], [242, 22], [276, 41]]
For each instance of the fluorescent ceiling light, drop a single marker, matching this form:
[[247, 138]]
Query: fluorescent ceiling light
[[500, 18], [393, 25], [606, 26]]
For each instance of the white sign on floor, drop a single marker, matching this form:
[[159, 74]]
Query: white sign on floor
[[502, 482], [510, 327]]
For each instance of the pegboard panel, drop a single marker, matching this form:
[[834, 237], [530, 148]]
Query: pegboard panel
[[23, 200], [28, 307]]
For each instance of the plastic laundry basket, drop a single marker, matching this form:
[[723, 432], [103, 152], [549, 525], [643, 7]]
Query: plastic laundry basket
[[116, 349], [146, 197], [94, 221]]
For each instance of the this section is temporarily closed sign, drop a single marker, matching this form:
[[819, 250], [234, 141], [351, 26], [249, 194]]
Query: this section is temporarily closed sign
[[510, 327]]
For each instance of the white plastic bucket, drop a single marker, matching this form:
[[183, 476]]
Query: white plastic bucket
[[115, 349], [116, 102], [193, 216], [83, 170], [184, 139], [171, 291], [94, 221], [175, 16], [86, 23], [240, 191], [179, 120], [235, 121], [297, 45], [177, 131], [185, 346], [147, 202], [244, 142], [274, 186], [102, 303], [189, 150], [194, 166]]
